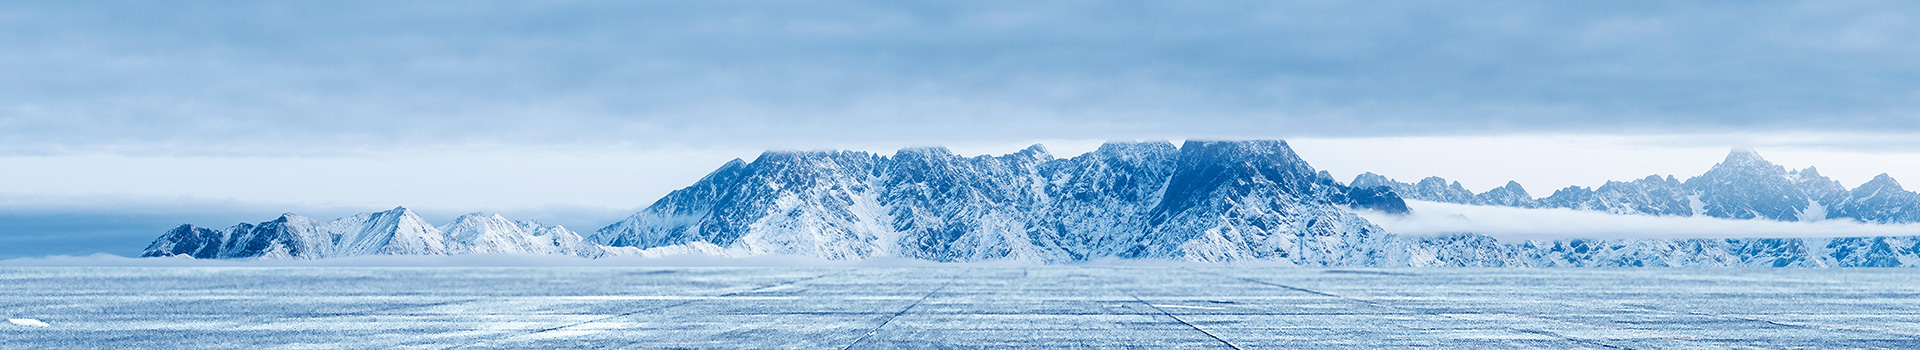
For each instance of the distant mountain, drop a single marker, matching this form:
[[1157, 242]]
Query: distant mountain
[[1471, 250], [1429, 189], [394, 232], [1744, 186], [1214, 201], [1881, 200]]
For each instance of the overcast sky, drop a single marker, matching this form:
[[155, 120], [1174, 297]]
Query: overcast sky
[[583, 107]]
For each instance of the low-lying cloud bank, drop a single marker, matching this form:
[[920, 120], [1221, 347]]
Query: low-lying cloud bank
[[1508, 223]]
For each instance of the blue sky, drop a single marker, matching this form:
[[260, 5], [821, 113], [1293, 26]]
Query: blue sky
[[307, 78], [345, 106]]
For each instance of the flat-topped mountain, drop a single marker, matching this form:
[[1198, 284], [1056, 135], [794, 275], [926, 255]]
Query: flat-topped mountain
[[1205, 200]]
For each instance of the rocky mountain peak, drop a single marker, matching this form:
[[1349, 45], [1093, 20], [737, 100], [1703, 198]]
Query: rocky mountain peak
[[1881, 183], [1741, 156]]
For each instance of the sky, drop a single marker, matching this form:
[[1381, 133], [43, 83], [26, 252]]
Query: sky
[[119, 120]]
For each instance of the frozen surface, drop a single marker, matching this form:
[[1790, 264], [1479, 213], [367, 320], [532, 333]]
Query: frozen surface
[[956, 307]]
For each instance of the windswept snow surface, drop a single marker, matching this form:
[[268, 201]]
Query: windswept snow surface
[[1048, 307]]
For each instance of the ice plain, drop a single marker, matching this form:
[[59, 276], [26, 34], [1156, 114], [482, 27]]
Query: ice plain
[[955, 307]]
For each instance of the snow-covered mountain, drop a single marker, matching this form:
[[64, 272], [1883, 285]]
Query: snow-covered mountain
[[1432, 188], [1205, 200], [1881, 200], [1201, 201], [1744, 186], [394, 232], [1482, 251]]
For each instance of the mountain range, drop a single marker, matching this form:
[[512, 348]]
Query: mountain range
[[1744, 186], [394, 232], [1209, 201]]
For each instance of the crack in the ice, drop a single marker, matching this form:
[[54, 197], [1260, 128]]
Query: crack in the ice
[[883, 323], [1189, 324]]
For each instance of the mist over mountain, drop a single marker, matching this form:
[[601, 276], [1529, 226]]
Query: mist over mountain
[[1744, 186], [1206, 201]]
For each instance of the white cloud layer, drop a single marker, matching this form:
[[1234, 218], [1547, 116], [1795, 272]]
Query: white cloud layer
[[1507, 223]]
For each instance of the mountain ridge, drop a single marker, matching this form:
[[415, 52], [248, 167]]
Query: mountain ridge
[[1743, 186], [1209, 201]]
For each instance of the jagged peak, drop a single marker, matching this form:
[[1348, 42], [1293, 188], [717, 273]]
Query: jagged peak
[[1512, 188], [789, 155], [1113, 147], [1575, 189], [1882, 182], [293, 218], [1251, 145], [731, 166], [1809, 172], [481, 216], [1243, 148], [1255, 154], [1370, 179], [923, 156], [403, 214], [924, 150], [1743, 156], [1034, 150]]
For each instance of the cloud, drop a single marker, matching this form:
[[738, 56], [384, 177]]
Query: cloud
[[311, 78], [1507, 223]]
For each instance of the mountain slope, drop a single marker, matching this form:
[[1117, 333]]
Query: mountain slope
[[1743, 186], [394, 232], [1205, 200], [1210, 201], [1881, 200]]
